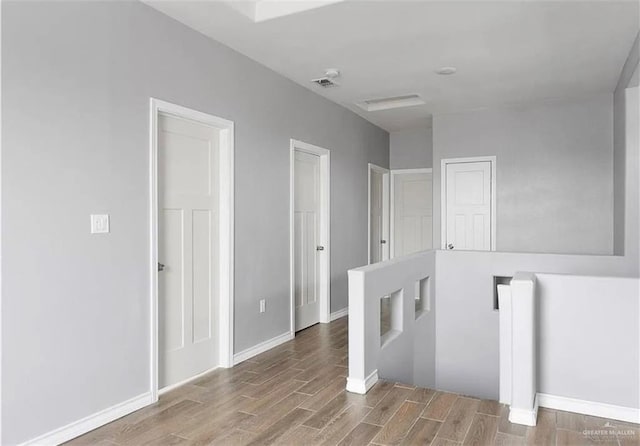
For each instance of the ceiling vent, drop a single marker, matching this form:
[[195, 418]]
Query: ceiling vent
[[409, 100], [324, 82], [329, 78]]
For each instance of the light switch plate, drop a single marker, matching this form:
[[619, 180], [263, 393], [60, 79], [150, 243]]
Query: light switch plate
[[99, 223], [263, 305]]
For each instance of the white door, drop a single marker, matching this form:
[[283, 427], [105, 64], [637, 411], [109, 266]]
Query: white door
[[307, 246], [413, 213], [187, 247], [468, 206], [378, 214]]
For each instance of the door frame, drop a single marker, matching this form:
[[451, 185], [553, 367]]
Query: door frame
[[385, 210], [226, 236], [443, 195], [392, 200], [325, 230]]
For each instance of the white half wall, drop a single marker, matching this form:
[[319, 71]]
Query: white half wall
[[589, 338], [407, 352], [467, 326]]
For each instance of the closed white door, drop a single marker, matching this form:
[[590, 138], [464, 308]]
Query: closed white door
[[413, 212], [307, 246], [378, 215], [187, 247], [468, 206]]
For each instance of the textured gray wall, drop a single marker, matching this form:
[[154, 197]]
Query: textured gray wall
[[628, 78], [411, 148], [554, 172], [77, 77]]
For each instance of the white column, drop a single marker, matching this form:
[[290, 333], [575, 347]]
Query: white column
[[524, 403], [363, 323]]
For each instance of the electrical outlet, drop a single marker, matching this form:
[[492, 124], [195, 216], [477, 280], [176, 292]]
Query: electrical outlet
[[263, 305], [99, 223]]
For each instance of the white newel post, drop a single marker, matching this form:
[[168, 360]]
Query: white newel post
[[362, 336], [524, 403]]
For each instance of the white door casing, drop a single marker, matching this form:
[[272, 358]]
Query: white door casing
[[191, 182], [468, 204], [309, 238], [378, 212], [411, 211]]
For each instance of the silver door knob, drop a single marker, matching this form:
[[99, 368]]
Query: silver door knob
[[383, 242], [450, 246], [161, 266], [319, 248]]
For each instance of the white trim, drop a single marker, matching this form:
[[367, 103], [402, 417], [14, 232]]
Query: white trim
[[325, 230], [603, 410], [186, 381], [87, 424], [527, 417], [385, 210], [443, 195], [1, 362], [226, 237], [262, 347], [362, 386], [338, 314], [409, 171], [392, 210]]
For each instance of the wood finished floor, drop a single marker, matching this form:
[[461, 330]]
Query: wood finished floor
[[294, 395]]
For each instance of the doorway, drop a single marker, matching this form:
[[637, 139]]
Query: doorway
[[378, 221], [309, 235], [191, 244], [468, 214], [411, 211]]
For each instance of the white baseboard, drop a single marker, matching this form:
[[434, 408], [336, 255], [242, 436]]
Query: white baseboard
[[262, 347], [91, 422], [338, 314], [603, 410], [362, 386], [527, 417]]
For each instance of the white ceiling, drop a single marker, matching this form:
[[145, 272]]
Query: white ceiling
[[506, 52]]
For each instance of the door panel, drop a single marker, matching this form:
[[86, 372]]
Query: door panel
[[171, 284], [468, 206], [306, 238], [413, 213], [188, 246]]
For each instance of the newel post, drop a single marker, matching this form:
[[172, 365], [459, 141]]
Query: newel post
[[524, 402]]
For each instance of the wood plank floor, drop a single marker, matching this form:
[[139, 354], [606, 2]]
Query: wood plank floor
[[294, 395]]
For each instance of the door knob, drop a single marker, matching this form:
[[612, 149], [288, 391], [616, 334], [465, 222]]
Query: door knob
[[161, 266], [319, 248], [450, 246], [383, 241]]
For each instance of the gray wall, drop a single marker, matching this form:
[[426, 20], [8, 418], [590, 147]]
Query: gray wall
[[554, 172], [628, 78], [77, 77], [411, 148]]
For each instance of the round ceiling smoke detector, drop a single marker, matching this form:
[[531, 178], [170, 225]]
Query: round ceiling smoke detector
[[332, 73], [446, 71]]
